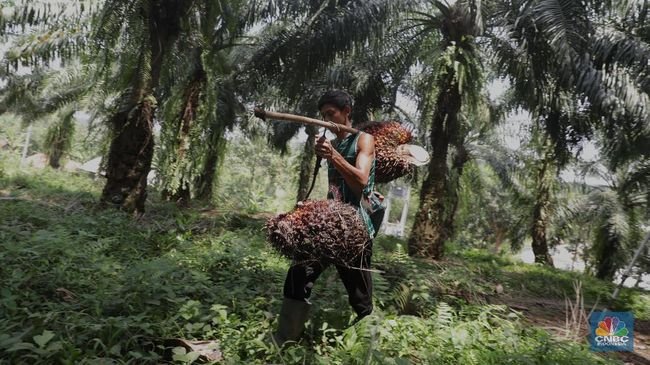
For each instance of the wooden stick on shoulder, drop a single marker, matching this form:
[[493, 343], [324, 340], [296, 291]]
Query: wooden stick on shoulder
[[263, 114]]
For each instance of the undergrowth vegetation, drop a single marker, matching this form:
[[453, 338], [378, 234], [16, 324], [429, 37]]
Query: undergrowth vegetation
[[89, 286]]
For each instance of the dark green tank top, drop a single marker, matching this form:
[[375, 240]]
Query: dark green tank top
[[339, 189]]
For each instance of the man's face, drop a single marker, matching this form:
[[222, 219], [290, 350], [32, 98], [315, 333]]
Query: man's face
[[333, 114]]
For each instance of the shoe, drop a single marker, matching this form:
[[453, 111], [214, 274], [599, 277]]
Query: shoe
[[358, 319]]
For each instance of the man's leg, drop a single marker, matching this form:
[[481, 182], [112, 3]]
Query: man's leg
[[301, 278], [358, 283], [295, 304]]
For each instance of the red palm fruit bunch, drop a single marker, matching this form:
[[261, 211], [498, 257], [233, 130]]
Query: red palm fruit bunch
[[326, 230], [389, 135]]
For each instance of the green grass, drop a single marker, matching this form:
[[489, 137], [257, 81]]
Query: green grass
[[539, 281], [89, 286]]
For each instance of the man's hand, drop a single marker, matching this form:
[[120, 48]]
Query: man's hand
[[324, 148], [357, 175]]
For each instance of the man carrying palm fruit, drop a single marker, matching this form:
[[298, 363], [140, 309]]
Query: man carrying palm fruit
[[351, 175]]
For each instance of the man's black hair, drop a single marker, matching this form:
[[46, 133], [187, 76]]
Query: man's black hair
[[338, 98]]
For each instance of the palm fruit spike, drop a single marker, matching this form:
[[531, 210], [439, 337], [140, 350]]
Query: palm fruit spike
[[389, 136], [326, 230]]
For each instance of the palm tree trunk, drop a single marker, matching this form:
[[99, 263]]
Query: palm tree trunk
[[59, 138], [129, 157], [460, 159], [178, 184], [56, 141], [541, 214], [499, 237], [606, 264], [28, 138], [306, 163], [216, 145], [204, 184], [54, 159], [607, 254], [429, 232], [131, 150]]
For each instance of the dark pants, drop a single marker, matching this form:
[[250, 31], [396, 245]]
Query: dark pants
[[302, 276]]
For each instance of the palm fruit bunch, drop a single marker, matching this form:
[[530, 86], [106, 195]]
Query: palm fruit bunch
[[326, 230], [389, 135]]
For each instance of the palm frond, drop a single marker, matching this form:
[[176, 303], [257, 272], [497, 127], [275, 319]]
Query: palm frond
[[306, 49], [637, 178], [281, 134], [564, 24], [614, 47], [22, 15], [41, 93], [505, 166]]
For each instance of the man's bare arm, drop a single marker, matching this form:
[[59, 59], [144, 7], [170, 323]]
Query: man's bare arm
[[355, 176]]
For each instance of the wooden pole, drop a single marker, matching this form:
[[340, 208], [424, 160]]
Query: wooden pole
[[263, 114]]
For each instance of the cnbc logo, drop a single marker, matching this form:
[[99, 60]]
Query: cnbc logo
[[611, 331]]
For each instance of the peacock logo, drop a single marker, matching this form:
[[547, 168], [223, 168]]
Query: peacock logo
[[611, 326], [612, 331]]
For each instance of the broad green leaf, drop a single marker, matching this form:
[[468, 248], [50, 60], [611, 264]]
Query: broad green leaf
[[42, 340]]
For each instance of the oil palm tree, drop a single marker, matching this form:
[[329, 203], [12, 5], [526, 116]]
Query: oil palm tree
[[140, 36], [550, 61], [154, 44], [197, 115], [526, 183], [48, 96], [455, 81], [615, 213]]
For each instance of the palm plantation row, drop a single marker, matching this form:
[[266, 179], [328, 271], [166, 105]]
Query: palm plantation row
[[579, 68]]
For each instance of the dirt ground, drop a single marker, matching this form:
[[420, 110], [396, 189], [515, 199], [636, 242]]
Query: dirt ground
[[551, 314]]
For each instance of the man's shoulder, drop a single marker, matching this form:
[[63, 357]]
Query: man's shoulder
[[366, 140]]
